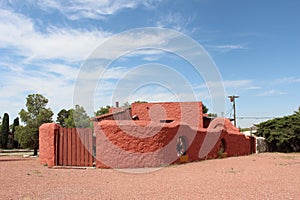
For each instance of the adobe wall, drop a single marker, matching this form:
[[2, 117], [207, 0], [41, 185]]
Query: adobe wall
[[138, 144], [236, 143], [47, 143], [128, 144], [189, 113], [133, 145]]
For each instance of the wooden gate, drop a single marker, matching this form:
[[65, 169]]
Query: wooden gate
[[74, 147]]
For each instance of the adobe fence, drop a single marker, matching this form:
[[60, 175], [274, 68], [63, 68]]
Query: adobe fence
[[61, 146]]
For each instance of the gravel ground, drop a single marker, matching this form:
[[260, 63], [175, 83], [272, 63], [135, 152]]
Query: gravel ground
[[260, 176]]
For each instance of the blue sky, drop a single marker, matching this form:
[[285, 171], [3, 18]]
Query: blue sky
[[255, 45]]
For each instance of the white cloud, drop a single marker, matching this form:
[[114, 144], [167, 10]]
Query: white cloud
[[43, 57], [230, 46], [93, 9], [41, 73], [227, 47], [271, 92], [287, 80], [18, 32], [237, 83], [229, 84], [175, 21], [253, 88], [54, 82], [130, 44]]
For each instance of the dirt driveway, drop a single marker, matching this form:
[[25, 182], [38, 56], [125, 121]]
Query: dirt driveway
[[260, 176]]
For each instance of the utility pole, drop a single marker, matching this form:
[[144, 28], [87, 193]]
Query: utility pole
[[232, 99]]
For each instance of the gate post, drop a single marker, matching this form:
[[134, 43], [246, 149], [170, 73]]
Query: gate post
[[47, 144]]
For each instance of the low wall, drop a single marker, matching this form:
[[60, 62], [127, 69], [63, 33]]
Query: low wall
[[128, 144], [60, 146]]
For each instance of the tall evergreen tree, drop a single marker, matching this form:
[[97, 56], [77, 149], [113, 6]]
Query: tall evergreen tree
[[0, 132], [5, 130], [15, 124], [13, 130]]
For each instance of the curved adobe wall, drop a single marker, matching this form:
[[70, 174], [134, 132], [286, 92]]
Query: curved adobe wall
[[133, 145], [128, 144]]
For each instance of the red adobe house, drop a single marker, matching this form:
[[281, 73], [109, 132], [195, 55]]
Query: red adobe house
[[145, 135], [159, 134]]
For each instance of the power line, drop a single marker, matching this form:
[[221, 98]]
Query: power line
[[256, 117]]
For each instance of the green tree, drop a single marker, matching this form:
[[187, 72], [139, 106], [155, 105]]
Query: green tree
[[212, 115], [282, 134], [297, 113], [0, 132], [14, 126], [126, 105], [139, 101], [35, 115], [204, 109], [78, 118], [62, 116], [4, 130], [26, 136], [102, 111]]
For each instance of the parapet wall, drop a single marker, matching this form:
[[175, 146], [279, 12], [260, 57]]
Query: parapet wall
[[189, 113]]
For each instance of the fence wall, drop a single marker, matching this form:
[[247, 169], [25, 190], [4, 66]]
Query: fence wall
[[65, 146], [74, 147]]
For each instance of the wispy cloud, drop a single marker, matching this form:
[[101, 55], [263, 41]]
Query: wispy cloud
[[142, 41], [230, 46], [238, 83], [54, 81], [92, 9], [227, 47], [46, 60], [287, 80], [271, 92], [253, 88], [18, 33], [176, 21], [230, 84]]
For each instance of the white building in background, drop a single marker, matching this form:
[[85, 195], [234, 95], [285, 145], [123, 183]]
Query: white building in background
[[261, 144]]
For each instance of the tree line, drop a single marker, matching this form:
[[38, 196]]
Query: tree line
[[282, 134], [36, 114], [7, 132]]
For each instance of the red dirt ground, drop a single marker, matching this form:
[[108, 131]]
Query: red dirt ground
[[259, 176]]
